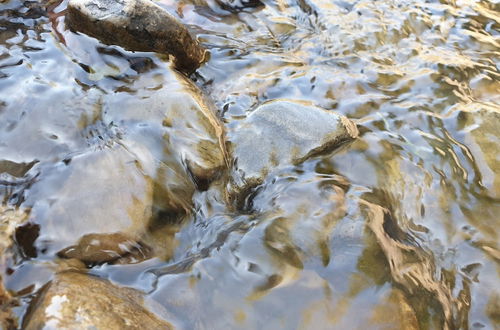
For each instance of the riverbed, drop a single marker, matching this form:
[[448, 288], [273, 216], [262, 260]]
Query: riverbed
[[398, 229]]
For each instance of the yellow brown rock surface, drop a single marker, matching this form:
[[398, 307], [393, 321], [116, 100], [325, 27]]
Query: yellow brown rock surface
[[74, 300]]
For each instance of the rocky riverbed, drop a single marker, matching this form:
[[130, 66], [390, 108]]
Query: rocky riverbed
[[244, 164]]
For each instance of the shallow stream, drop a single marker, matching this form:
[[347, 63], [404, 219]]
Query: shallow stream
[[399, 229]]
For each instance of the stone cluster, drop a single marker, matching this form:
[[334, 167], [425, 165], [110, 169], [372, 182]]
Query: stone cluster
[[129, 182]]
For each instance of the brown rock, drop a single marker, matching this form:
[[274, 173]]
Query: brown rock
[[138, 25], [394, 312], [17, 170], [136, 157], [78, 301], [7, 319], [137, 173], [10, 218], [102, 248]]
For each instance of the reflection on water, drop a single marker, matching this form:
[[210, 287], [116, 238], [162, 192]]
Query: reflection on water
[[400, 230]]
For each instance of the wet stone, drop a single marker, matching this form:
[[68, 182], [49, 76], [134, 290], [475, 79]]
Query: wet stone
[[137, 25], [281, 133], [10, 218], [74, 300], [175, 121], [106, 248], [98, 195], [238, 5], [100, 205], [7, 319], [17, 170]]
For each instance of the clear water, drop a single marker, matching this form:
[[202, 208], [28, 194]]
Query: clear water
[[400, 230]]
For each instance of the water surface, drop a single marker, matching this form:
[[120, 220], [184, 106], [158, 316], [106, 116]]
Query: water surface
[[400, 229]]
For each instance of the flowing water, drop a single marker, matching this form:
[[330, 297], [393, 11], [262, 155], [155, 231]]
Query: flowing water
[[398, 230]]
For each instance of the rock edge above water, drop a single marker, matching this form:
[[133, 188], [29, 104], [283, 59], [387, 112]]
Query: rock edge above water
[[284, 132], [75, 301], [137, 25]]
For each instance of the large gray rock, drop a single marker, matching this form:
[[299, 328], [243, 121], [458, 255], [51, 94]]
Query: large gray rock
[[78, 301], [282, 132], [138, 25]]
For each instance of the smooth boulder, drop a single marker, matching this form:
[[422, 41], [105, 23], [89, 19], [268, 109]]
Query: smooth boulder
[[78, 301], [152, 147], [175, 121], [137, 25], [281, 133], [100, 206], [97, 192]]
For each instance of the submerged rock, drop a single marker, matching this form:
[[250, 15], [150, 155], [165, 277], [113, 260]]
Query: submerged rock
[[394, 312], [138, 25], [483, 143], [74, 300], [412, 267], [103, 196], [300, 215], [282, 132], [17, 170], [136, 178], [175, 121], [100, 248]]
